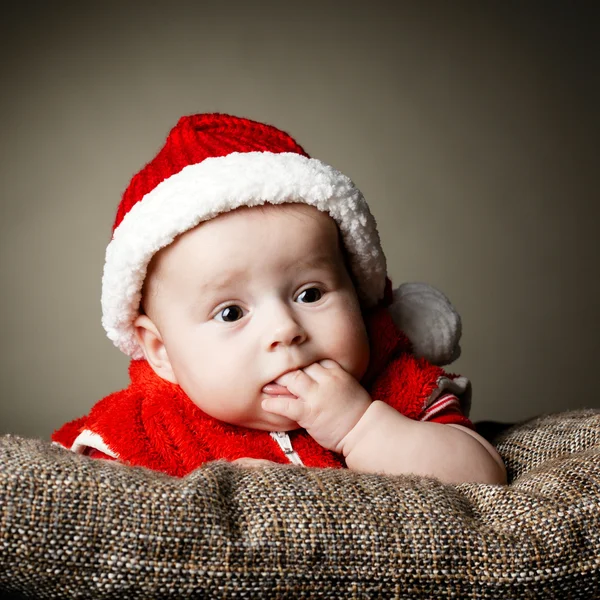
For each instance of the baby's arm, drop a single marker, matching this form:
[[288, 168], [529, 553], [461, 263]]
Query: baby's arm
[[373, 437], [387, 441]]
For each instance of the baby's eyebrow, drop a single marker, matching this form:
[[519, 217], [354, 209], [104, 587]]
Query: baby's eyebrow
[[220, 282], [224, 281], [315, 262]]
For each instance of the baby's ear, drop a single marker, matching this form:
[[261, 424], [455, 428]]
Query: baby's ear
[[150, 341]]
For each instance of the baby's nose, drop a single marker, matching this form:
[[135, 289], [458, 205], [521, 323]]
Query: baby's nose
[[286, 331]]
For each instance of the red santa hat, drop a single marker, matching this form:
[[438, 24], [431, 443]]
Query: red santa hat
[[211, 164]]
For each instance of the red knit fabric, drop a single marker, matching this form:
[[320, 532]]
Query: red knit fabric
[[198, 137], [154, 424]]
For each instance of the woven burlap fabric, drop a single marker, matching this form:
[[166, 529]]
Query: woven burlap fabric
[[72, 527]]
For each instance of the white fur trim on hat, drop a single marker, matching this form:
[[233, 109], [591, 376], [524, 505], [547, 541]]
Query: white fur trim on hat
[[216, 185]]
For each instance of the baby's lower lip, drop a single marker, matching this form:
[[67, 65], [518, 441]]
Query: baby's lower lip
[[274, 389]]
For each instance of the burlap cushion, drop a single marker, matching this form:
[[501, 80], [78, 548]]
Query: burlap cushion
[[75, 527]]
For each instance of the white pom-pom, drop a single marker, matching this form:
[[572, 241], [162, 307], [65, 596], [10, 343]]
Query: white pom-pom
[[429, 321]]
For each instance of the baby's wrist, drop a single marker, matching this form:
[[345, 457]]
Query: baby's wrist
[[363, 427], [369, 435]]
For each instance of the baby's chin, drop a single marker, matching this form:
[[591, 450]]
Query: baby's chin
[[266, 422], [287, 425], [271, 422]]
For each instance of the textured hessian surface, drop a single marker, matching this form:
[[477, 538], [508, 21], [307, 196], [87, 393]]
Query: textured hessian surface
[[72, 527]]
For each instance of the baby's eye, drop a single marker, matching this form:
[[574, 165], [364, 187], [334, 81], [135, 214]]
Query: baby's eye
[[309, 295], [230, 314]]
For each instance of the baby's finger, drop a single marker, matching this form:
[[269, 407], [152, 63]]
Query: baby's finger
[[329, 364], [297, 382], [253, 462], [292, 408], [319, 370]]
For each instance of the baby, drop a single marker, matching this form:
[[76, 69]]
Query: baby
[[248, 284]]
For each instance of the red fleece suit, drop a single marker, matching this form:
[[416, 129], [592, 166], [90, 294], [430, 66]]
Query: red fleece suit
[[153, 423]]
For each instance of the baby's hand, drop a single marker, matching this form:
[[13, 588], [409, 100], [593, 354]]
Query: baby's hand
[[253, 463], [329, 402]]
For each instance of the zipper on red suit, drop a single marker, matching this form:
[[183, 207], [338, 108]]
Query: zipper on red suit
[[283, 439]]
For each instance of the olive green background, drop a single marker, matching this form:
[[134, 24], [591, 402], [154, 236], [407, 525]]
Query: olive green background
[[471, 127]]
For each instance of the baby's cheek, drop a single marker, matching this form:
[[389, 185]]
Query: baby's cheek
[[352, 348], [361, 356]]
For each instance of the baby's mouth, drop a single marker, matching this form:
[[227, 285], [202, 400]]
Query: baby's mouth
[[275, 389]]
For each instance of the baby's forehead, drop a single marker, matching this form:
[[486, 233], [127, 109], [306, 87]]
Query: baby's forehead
[[236, 230], [266, 217], [301, 212]]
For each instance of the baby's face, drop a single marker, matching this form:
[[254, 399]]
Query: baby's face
[[247, 296]]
